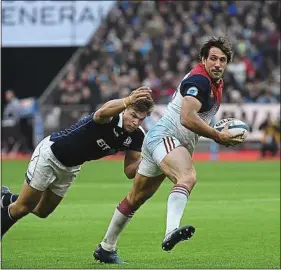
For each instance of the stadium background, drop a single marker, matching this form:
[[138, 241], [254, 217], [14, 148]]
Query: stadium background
[[64, 58]]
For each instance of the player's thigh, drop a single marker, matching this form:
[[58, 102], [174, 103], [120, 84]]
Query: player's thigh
[[26, 202], [41, 172], [148, 178], [64, 180], [144, 187], [52, 197], [178, 166], [173, 160], [47, 204], [39, 175]]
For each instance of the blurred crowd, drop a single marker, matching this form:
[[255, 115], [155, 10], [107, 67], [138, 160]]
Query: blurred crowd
[[270, 141], [156, 43], [16, 125]]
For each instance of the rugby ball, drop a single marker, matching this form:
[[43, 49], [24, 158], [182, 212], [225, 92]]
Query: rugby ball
[[236, 126]]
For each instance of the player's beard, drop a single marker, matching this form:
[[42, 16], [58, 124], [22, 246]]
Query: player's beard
[[216, 76]]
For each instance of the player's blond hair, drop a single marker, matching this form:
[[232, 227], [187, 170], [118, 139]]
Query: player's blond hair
[[144, 105]]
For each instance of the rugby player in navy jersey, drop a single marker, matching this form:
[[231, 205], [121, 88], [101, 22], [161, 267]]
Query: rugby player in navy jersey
[[57, 159], [168, 148]]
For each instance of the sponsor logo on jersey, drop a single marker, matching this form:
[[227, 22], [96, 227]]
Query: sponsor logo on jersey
[[128, 141], [192, 91], [115, 133], [102, 144]]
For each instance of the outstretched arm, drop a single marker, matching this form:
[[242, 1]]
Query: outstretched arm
[[116, 106]]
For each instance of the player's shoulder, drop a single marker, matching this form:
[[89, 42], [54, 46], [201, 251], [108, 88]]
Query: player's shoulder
[[87, 118], [82, 122], [117, 120], [195, 82], [114, 121], [197, 78]]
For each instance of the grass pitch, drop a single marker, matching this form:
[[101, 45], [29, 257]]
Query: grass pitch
[[235, 208]]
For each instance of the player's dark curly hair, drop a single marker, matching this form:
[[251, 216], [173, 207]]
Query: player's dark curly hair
[[144, 105], [219, 42]]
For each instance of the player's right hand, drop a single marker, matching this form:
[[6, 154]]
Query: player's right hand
[[228, 139], [143, 92]]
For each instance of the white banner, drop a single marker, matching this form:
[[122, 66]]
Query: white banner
[[252, 114], [51, 23]]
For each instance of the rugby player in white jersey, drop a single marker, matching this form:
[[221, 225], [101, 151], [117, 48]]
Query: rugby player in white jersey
[[168, 147]]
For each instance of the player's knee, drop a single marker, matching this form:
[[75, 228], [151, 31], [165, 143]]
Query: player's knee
[[188, 179], [137, 199], [142, 199], [133, 199]]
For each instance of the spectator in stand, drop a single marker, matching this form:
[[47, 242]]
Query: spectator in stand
[[12, 109], [267, 97], [274, 87], [238, 70], [165, 35], [270, 142], [70, 96], [11, 133]]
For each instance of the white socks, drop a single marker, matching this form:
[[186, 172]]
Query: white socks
[[176, 204], [124, 212], [117, 224]]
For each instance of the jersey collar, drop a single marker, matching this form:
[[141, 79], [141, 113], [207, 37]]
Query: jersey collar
[[120, 123]]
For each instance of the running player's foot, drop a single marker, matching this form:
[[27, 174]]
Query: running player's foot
[[4, 191], [177, 235], [105, 256]]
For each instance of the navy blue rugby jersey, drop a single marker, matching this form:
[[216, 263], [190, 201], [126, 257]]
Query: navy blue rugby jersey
[[198, 86], [87, 140]]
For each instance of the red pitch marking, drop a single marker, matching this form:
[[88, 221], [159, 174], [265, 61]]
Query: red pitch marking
[[242, 155]]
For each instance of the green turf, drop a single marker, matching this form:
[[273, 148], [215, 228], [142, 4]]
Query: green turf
[[235, 208]]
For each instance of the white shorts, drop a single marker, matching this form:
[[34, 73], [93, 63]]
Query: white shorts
[[155, 147], [45, 171]]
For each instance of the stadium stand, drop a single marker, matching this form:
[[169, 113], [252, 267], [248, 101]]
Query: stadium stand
[[155, 43]]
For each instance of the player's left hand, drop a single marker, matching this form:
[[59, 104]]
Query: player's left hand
[[227, 139], [143, 92]]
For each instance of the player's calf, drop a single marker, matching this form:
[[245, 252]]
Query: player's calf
[[12, 213], [137, 200], [7, 221], [143, 189], [40, 214]]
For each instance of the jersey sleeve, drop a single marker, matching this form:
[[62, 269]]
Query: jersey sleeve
[[197, 86], [113, 121], [137, 140]]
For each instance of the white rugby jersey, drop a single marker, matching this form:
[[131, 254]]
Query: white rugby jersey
[[197, 84]]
